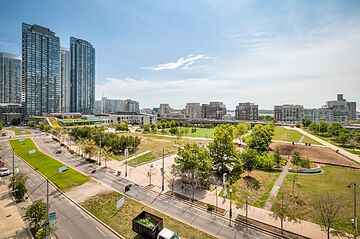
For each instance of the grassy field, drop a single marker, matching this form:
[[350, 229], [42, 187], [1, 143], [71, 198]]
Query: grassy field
[[257, 187], [332, 180], [54, 122], [142, 159], [156, 144], [104, 207], [47, 165], [18, 131], [201, 132], [283, 134]]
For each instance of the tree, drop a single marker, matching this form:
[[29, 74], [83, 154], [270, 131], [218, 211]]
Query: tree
[[31, 124], [277, 157], [222, 149], [90, 147], [146, 128], [47, 128], [306, 122], [327, 210], [343, 138], [194, 163], [323, 127], [260, 138], [353, 143], [17, 183], [241, 129], [335, 129], [284, 209], [314, 127], [296, 158], [36, 215], [41, 125], [122, 126], [107, 154], [249, 160]]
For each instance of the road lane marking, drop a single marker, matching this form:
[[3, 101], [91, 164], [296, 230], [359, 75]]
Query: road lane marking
[[70, 236], [101, 232], [84, 215]]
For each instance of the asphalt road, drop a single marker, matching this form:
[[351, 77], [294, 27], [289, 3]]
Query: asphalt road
[[72, 222], [217, 226]]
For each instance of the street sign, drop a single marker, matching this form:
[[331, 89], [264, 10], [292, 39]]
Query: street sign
[[32, 151], [224, 178], [120, 202], [21, 139], [52, 216], [162, 171], [62, 169]]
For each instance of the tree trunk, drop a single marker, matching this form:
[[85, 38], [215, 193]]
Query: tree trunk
[[282, 226], [328, 232]]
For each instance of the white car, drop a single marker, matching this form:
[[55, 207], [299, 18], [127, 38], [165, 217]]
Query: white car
[[4, 172]]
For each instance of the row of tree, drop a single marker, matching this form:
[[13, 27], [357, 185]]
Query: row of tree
[[115, 143], [172, 123]]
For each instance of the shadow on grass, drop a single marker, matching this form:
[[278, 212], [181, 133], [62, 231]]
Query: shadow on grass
[[252, 182]]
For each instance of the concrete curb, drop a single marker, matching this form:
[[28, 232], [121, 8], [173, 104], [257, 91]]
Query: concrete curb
[[70, 199]]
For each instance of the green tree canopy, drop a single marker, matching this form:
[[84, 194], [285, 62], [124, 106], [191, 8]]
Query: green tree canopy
[[249, 159], [222, 149], [241, 129], [17, 182], [260, 138], [122, 126], [36, 215], [306, 122]]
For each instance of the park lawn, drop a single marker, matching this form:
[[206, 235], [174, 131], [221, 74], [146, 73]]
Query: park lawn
[[103, 206], [356, 151], [47, 165], [201, 132], [283, 134], [19, 131], [156, 143], [259, 186], [142, 159], [310, 140], [54, 122], [332, 180]]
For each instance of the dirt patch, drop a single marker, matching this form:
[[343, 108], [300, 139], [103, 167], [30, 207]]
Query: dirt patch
[[86, 191], [315, 154]]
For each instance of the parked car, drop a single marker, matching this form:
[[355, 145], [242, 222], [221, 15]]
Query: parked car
[[58, 152], [4, 172], [2, 164]]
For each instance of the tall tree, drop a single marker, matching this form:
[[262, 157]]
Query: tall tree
[[260, 138], [277, 157], [323, 127], [249, 159], [314, 127], [90, 148], [241, 129], [327, 209], [306, 122], [107, 153], [343, 138], [36, 215], [17, 182], [222, 149], [194, 163]]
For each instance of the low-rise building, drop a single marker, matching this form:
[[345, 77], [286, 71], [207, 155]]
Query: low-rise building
[[9, 113], [247, 111], [289, 113], [133, 118], [214, 110]]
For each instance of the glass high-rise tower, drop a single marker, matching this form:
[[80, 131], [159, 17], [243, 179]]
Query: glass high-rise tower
[[41, 70], [10, 78], [65, 79], [82, 70]]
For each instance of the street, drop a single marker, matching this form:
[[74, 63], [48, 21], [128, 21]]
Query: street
[[72, 222]]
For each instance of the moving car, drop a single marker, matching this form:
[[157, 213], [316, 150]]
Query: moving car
[[4, 172]]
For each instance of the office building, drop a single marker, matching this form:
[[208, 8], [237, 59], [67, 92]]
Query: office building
[[133, 118], [214, 110], [193, 110], [10, 113], [82, 75], [40, 70], [131, 106], [65, 79], [289, 113], [247, 111], [10, 78], [352, 110], [164, 109]]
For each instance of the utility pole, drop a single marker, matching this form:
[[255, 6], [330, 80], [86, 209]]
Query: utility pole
[[163, 172], [355, 218], [100, 153], [47, 211], [13, 163]]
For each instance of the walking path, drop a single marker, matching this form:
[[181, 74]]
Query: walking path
[[301, 139], [277, 185], [331, 146]]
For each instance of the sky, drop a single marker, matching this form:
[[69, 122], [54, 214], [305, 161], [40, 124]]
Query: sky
[[167, 51]]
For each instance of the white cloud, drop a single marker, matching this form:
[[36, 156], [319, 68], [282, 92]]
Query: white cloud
[[182, 62]]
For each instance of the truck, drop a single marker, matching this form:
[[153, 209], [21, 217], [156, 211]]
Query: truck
[[150, 226]]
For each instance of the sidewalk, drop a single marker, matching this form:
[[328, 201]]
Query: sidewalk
[[12, 225]]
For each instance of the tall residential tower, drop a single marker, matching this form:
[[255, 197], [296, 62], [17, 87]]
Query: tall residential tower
[[65, 79], [10, 78], [82, 74], [40, 70]]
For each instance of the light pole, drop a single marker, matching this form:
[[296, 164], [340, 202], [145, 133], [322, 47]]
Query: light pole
[[355, 218], [163, 172], [230, 212], [151, 166]]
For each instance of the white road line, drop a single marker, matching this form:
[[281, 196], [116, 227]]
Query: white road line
[[70, 236], [84, 215], [101, 232]]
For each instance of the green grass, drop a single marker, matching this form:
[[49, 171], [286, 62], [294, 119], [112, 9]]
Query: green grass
[[310, 140], [356, 152], [47, 165], [333, 180], [257, 187], [283, 134], [19, 131], [54, 122], [104, 207], [142, 159], [201, 132]]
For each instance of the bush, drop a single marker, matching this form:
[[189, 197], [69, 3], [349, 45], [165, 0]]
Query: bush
[[193, 130], [210, 207]]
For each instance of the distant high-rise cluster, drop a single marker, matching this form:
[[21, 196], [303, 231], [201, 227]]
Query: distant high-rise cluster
[[48, 78], [106, 105]]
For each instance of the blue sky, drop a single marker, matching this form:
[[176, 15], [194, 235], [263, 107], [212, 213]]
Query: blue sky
[[267, 52]]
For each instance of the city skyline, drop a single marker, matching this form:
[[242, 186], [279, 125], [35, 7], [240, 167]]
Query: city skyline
[[269, 54]]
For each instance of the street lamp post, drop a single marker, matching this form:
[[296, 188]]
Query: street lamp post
[[163, 172], [151, 166], [355, 218], [230, 212]]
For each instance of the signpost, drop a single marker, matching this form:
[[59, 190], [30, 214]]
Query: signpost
[[120, 202], [52, 218], [32, 151], [62, 169], [224, 183]]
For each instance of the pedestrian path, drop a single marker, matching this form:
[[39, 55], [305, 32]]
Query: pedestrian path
[[301, 139], [277, 185]]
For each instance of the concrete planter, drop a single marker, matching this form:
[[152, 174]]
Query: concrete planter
[[317, 169]]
